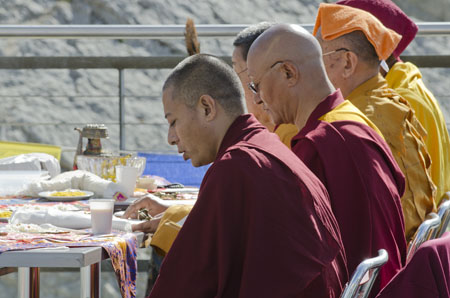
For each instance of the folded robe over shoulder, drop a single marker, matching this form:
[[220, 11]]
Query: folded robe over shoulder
[[362, 178], [404, 134], [261, 227], [405, 78]]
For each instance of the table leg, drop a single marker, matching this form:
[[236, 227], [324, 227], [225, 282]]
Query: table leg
[[90, 281], [28, 282], [23, 282], [34, 282]]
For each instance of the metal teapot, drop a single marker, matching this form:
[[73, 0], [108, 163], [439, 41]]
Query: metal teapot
[[94, 133]]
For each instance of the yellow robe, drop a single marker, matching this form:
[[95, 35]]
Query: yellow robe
[[406, 79], [168, 228], [286, 132], [404, 135]]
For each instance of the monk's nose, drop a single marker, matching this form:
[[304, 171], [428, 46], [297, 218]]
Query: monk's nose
[[172, 138], [256, 99]]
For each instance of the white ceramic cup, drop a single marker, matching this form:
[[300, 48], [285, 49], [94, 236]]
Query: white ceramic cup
[[126, 177], [101, 215]]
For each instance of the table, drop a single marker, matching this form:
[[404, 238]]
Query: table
[[28, 262]]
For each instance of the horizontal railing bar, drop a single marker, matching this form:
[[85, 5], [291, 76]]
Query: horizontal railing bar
[[89, 62], [156, 31], [84, 123], [435, 61], [153, 97], [433, 28], [117, 31], [154, 62]]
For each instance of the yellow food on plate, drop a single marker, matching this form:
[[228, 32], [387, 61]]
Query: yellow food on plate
[[5, 214], [68, 193]]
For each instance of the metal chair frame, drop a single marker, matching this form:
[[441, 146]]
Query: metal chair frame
[[444, 214], [425, 232], [357, 287]]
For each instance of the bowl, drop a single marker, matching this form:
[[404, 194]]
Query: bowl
[[105, 166]]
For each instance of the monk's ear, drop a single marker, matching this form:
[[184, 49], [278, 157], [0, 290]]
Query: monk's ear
[[351, 61], [290, 73], [207, 107]]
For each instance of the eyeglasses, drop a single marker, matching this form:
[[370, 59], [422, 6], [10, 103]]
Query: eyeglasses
[[338, 50], [254, 87], [239, 73]]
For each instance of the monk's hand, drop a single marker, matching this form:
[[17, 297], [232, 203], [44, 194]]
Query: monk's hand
[[146, 205], [148, 226]]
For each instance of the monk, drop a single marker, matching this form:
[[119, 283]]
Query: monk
[[336, 141], [242, 44], [354, 43], [262, 225], [165, 225], [406, 79]]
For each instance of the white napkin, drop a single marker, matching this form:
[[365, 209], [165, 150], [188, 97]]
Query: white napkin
[[31, 162], [63, 218], [82, 180]]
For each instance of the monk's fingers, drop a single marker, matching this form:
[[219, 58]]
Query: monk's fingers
[[132, 210], [156, 208], [149, 226]]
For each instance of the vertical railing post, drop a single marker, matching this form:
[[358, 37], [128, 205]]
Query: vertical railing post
[[3, 132], [121, 110]]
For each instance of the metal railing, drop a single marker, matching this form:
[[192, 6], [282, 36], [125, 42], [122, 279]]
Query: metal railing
[[157, 31], [155, 62]]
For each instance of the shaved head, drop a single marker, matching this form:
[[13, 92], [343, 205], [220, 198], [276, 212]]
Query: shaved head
[[206, 74], [286, 42], [292, 57]]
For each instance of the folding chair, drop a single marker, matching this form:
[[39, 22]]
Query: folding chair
[[444, 215], [424, 232], [364, 276]]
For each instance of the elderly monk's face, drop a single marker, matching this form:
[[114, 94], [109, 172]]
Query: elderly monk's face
[[240, 67], [265, 76], [188, 130]]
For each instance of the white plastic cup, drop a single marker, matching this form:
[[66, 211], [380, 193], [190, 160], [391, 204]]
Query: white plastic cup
[[126, 177], [101, 215]]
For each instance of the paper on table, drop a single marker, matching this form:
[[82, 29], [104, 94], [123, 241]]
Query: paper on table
[[64, 219]]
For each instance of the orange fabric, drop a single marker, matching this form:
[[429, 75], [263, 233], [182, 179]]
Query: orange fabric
[[337, 20]]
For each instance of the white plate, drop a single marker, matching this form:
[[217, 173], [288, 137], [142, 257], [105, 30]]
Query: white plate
[[180, 190], [48, 195]]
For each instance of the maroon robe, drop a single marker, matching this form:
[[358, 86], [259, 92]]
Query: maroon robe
[[262, 227], [426, 275], [364, 183]]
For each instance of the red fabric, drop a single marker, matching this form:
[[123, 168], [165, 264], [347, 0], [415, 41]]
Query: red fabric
[[364, 182], [391, 16], [426, 275], [261, 227]]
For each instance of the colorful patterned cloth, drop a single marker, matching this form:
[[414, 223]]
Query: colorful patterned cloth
[[121, 247]]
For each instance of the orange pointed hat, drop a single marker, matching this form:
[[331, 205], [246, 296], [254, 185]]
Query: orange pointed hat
[[336, 20]]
